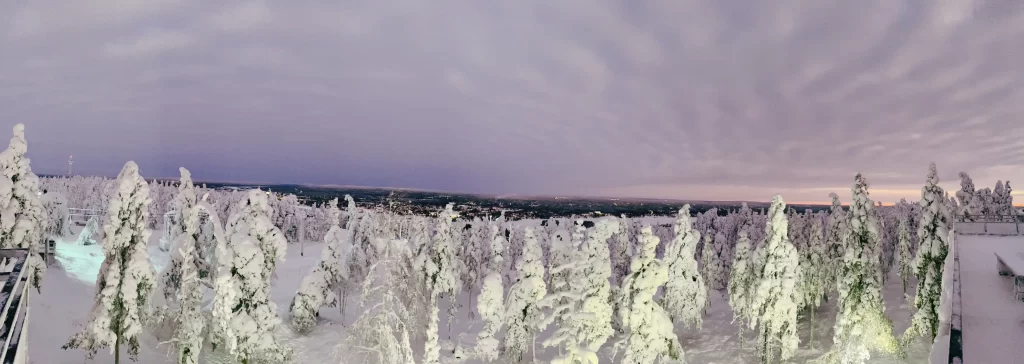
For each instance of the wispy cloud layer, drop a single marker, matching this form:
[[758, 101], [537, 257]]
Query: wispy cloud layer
[[728, 99]]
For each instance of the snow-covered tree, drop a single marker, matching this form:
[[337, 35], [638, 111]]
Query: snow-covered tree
[[814, 270], [189, 318], [931, 256], [55, 207], [984, 201], [126, 277], [522, 308], [861, 325], [903, 249], [649, 335], [88, 234], [489, 304], [473, 255], [322, 286], [776, 299], [836, 238], [999, 199], [22, 219], [381, 334], [685, 295], [244, 316], [180, 206], [581, 303], [440, 276], [743, 278], [1008, 199], [970, 205], [716, 273]]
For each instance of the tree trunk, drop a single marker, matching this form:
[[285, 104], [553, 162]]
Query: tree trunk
[[117, 349], [811, 343]]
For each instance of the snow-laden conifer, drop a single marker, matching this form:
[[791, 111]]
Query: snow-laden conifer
[[381, 334], [189, 318], [22, 218], [180, 206], [814, 270], [903, 248], [685, 294], [565, 301], [88, 234], [491, 299], [835, 240], [649, 335], [126, 277], [244, 316], [861, 325], [742, 280], [970, 205], [931, 255], [776, 299], [523, 314], [322, 286], [440, 276], [717, 276]]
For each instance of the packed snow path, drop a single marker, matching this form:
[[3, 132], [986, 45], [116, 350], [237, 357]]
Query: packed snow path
[[993, 323]]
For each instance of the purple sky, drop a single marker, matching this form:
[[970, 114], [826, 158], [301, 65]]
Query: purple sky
[[728, 99]]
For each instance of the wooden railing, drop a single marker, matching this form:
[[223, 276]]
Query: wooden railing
[[956, 343], [990, 224], [14, 316]]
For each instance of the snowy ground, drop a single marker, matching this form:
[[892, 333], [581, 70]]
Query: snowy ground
[[67, 297], [993, 323]]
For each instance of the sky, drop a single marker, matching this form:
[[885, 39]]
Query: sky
[[707, 100]]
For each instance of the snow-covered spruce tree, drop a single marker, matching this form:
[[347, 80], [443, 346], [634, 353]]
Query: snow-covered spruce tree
[[189, 317], [998, 198], [649, 335], [596, 328], [381, 334], [685, 295], [581, 303], [776, 299], [984, 198], [970, 206], [861, 325], [522, 307], [741, 283], [906, 259], [562, 251], [931, 255], [322, 286], [835, 239], [180, 206], [22, 218], [621, 251], [88, 234], [717, 273], [1008, 200], [244, 316], [473, 256], [814, 270], [565, 301], [440, 277], [126, 277], [490, 301]]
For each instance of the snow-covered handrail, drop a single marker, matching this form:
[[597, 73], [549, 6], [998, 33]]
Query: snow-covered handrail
[[990, 224], [15, 295], [956, 347]]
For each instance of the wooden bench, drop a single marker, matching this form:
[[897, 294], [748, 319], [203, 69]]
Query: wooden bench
[[1012, 264]]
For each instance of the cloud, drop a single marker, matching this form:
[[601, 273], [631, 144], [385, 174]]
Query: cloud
[[665, 98]]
